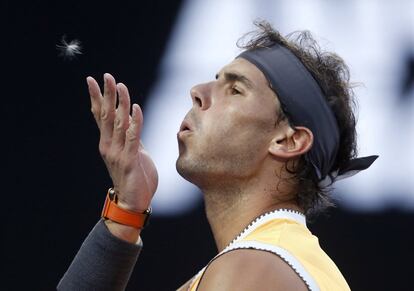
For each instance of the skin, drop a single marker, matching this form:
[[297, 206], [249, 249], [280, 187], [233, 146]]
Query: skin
[[232, 147]]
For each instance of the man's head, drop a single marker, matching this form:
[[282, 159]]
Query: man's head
[[239, 130]]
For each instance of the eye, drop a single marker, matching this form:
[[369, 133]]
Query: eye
[[234, 91]]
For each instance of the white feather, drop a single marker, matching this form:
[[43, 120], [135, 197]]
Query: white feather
[[69, 50]]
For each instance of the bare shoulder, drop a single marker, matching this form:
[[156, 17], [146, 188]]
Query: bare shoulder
[[249, 269], [185, 286]]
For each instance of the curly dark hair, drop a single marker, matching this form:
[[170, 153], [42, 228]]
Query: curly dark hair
[[332, 75]]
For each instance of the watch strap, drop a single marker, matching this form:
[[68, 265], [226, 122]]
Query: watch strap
[[112, 211]]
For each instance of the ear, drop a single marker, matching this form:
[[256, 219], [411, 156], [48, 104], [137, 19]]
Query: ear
[[291, 143]]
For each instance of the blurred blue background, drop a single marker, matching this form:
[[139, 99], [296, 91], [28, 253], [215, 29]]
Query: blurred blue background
[[55, 181]]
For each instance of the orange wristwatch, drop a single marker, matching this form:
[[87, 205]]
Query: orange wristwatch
[[112, 211]]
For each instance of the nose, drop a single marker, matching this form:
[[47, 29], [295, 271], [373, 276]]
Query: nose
[[201, 96]]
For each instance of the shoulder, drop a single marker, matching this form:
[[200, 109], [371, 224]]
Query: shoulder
[[249, 269]]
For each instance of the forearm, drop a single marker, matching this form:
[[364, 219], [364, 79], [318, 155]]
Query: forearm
[[108, 255], [105, 260]]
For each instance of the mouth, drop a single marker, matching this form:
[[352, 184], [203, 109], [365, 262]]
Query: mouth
[[185, 130]]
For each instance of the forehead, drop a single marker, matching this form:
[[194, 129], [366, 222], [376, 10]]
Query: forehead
[[243, 67]]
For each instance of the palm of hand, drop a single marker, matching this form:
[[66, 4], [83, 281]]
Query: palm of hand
[[138, 182], [132, 170]]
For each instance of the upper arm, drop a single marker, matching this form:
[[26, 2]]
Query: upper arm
[[249, 269]]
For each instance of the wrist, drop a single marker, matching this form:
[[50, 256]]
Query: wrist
[[124, 232], [114, 211], [127, 206]]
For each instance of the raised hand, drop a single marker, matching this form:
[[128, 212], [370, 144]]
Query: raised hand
[[132, 171]]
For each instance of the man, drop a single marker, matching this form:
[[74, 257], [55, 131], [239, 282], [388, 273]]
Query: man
[[264, 142]]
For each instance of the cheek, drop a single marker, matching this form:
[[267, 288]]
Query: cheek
[[238, 129], [253, 117]]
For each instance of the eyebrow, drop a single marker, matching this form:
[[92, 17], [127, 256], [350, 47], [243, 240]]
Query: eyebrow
[[233, 77]]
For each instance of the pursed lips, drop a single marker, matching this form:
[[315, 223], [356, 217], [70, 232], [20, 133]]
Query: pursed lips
[[185, 128]]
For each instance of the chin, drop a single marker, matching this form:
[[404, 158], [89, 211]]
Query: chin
[[183, 167], [190, 170]]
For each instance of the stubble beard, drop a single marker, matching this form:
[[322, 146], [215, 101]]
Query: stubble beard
[[212, 170], [214, 177], [192, 170]]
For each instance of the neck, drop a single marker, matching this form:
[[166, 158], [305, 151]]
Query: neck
[[230, 209]]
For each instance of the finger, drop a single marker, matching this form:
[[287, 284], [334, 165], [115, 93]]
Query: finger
[[133, 134], [108, 109], [122, 116], [96, 98]]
